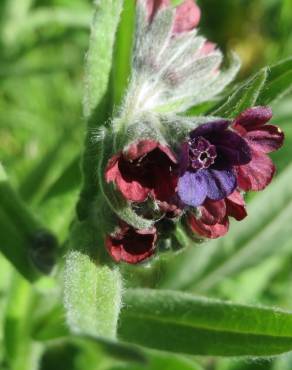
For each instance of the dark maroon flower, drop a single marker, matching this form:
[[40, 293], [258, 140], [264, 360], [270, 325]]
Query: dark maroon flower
[[235, 206], [213, 221], [262, 139], [131, 245], [207, 163], [146, 168], [187, 17]]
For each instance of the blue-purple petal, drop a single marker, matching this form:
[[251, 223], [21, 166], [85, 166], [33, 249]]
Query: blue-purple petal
[[232, 148], [210, 128], [220, 183], [192, 188]]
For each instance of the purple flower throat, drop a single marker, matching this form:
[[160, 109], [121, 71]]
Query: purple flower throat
[[202, 153], [207, 163]]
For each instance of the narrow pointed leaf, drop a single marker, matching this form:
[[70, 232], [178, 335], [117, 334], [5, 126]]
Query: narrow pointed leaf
[[123, 52], [183, 323], [278, 84], [99, 56], [162, 360], [244, 97], [69, 179], [117, 350]]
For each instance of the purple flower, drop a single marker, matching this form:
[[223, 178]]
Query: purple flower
[[207, 163]]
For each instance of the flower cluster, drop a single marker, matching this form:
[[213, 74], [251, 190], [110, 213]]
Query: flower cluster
[[199, 178]]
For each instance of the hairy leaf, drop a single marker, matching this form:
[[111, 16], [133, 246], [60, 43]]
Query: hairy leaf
[[92, 296], [180, 322], [279, 82], [244, 97], [99, 56]]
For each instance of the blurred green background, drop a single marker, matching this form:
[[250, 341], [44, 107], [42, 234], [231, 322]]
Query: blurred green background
[[42, 49]]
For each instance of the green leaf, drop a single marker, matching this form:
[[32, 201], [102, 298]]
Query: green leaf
[[183, 323], [21, 352], [99, 56], [22, 237], [68, 180], [97, 94], [120, 351], [267, 85], [123, 51], [45, 17], [162, 360], [278, 84], [14, 14], [92, 296], [34, 181], [244, 97], [50, 326]]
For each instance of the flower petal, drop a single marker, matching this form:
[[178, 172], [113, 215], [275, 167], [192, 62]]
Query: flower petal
[[145, 166], [210, 128], [143, 147], [208, 231], [232, 147], [192, 188], [253, 118], [139, 149], [128, 186], [207, 48], [213, 212], [236, 206], [123, 174], [268, 138], [187, 16], [131, 245], [112, 170], [220, 183], [132, 190], [165, 184], [257, 174]]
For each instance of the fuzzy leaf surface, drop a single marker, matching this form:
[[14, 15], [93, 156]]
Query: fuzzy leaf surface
[[92, 296], [279, 82], [183, 323], [99, 56], [244, 97]]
